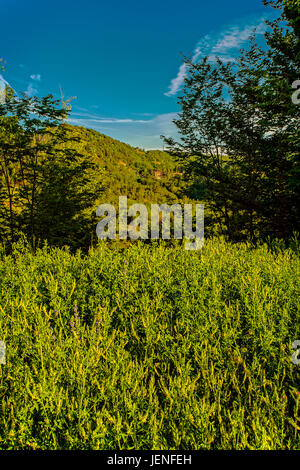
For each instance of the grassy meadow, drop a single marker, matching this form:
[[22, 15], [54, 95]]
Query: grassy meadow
[[150, 347]]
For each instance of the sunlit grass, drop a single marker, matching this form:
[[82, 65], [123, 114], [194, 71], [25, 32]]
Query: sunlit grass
[[150, 347]]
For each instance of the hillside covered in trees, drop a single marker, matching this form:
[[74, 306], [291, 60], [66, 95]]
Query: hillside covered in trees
[[142, 175], [51, 189]]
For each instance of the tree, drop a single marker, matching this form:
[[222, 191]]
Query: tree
[[283, 65], [70, 185], [240, 135], [43, 176]]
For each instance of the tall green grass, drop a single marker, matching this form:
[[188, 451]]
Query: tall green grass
[[150, 347]]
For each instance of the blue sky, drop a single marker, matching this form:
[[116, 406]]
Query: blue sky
[[121, 59]]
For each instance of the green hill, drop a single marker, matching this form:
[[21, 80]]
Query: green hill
[[142, 176], [53, 191]]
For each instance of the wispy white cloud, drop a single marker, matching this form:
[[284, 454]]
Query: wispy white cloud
[[87, 119], [176, 83], [234, 38], [30, 91], [36, 77], [223, 44], [32, 86], [144, 114], [143, 133]]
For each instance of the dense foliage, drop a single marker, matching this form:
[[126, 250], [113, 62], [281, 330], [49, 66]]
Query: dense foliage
[[54, 177], [121, 349], [240, 131]]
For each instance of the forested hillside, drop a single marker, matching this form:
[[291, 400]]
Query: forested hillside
[[144, 176], [55, 176]]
